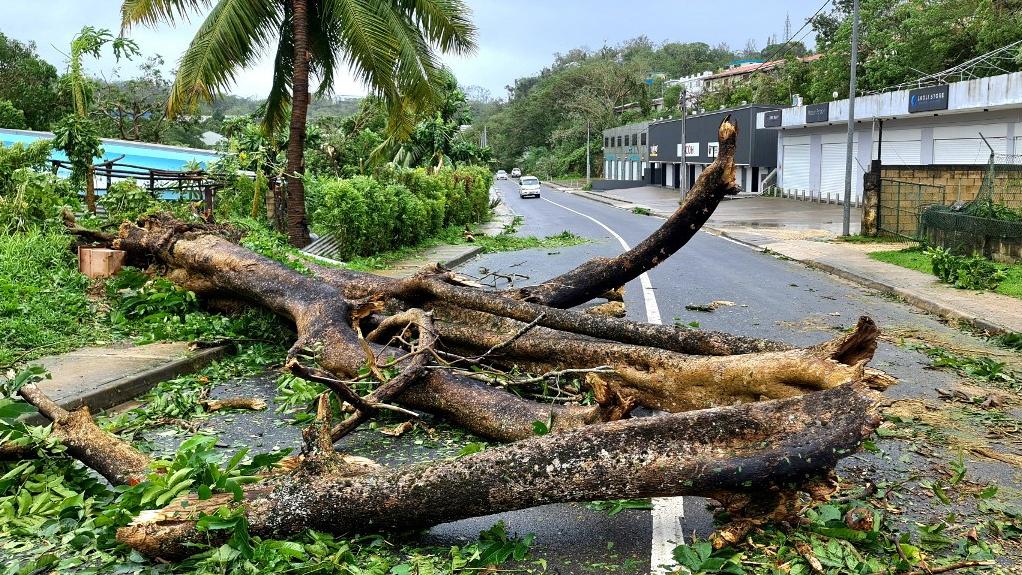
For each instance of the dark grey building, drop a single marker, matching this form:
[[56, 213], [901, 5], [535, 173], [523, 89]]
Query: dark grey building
[[755, 157]]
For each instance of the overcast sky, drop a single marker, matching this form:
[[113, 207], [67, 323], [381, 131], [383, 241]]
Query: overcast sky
[[516, 38]]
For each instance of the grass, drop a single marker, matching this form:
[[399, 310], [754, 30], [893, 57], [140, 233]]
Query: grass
[[44, 302], [915, 258], [506, 241], [861, 239]]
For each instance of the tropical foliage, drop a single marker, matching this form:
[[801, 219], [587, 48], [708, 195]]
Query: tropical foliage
[[29, 84], [390, 46]]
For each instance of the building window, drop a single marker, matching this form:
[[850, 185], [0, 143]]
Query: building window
[[619, 144], [605, 141], [643, 140]]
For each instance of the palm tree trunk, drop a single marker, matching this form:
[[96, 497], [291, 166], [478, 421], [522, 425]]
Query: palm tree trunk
[[297, 225]]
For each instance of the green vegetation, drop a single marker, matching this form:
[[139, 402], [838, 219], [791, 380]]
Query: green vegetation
[[642, 211], [510, 243], [861, 239], [960, 271]]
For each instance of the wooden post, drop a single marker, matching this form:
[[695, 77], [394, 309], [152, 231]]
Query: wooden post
[[100, 262]]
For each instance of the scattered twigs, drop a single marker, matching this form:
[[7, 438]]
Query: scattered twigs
[[502, 345], [337, 386], [412, 370], [252, 403]]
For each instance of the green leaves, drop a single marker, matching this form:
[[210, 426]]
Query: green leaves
[[699, 559], [615, 506]]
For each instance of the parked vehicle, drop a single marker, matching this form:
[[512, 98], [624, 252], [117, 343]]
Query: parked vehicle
[[528, 187], [501, 175], [516, 172]]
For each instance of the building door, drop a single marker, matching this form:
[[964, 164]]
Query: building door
[[669, 182], [691, 175], [677, 175], [795, 167], [832, 169]]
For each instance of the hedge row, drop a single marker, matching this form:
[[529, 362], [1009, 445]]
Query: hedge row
[[370, 215]]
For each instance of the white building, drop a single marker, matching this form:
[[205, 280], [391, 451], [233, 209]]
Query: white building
[[929, 126]]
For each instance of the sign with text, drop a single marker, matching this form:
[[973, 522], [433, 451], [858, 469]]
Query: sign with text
[[691, 149], [712, 148], [817, 113], [772, 119], [653, 151], [928, 99]]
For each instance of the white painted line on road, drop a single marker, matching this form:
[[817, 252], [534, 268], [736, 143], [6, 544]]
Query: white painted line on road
[[667, 512], [648, 295]]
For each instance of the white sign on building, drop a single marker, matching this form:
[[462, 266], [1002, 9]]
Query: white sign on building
[[712, 149], [691, 149]]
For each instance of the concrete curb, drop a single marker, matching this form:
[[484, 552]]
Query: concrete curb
[[909, 296], [129, 387]]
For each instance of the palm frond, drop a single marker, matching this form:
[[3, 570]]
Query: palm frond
[[152, 12], [279, 99], [234, 33], [447, 24]]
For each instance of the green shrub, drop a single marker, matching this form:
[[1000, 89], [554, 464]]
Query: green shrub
[[19, 156], [10, 116], [963, 272], [126, 200], [243, 197], [34, 199], [368, 216]]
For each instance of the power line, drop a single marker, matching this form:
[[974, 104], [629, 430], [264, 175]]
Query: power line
[[788, 42]]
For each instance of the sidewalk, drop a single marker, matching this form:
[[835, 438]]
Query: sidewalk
[[102, 377], [800, 230]]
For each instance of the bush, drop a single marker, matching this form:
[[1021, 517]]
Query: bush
[[126, 200], [11, 117], [963, 272], [33, 199], [19, 156], [367, 217], [243, 197]]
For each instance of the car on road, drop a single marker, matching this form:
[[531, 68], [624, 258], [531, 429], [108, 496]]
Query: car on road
[[528, 186], [516, 172], [501, 175]]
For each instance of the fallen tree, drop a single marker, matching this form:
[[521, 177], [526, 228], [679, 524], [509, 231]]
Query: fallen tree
[[456, 349]]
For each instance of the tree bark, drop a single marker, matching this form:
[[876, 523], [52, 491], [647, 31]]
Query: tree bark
[[751, 448], [599, 275], [297, 224]]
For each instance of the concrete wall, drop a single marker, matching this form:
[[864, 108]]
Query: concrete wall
[[603, 185]]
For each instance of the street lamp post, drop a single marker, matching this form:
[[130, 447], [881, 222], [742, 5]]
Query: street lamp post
[[588, 177]]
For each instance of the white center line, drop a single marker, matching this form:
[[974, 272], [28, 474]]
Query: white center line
[[667, 512]]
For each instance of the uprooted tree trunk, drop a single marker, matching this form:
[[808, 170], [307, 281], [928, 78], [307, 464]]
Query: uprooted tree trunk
[[454, 346]]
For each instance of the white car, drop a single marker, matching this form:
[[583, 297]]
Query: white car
[[516, 173], [501, 175], [528, 186]]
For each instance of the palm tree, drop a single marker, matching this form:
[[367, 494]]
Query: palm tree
[[390, 45]]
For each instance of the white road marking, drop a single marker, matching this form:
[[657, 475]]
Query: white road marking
[[667, 512], [648, 295]]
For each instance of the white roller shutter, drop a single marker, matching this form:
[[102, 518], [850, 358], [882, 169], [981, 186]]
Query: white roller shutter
[[832, 169], [962, 144], [670, 175], [795, 167], [637, 174], [901, 147], [966, 150]]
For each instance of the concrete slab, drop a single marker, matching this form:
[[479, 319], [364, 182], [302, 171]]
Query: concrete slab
[[102, 377]]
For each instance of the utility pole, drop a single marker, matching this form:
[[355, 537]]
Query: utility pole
[[588, 177], [846, 224], [684, 155]]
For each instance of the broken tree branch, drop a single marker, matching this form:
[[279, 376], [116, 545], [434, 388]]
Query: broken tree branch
[[767, 445]]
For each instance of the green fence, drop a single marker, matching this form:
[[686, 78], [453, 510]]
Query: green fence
[[902, 204]]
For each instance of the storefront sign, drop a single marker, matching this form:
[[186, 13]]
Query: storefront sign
[[691, 149], [712, 149], [817, 113], [928, 99], [653, 151], [772, 119]]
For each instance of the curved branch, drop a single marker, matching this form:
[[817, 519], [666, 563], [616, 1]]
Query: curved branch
[[596, 276]]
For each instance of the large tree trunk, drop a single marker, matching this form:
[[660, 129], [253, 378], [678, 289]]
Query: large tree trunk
[[454, 346], [759, 448], [297, 224]]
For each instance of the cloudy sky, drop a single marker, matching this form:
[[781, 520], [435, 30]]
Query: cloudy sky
[[516, 38]]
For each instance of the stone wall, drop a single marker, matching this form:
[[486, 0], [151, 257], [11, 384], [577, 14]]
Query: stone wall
[[960, 182]]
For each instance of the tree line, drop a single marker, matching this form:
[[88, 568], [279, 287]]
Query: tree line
[[541, 124]]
